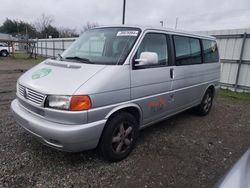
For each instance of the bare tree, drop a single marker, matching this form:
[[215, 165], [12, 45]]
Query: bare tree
[[43, 22], [89, 25], [67, 32]]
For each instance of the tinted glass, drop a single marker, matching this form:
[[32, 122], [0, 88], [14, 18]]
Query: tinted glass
[[157, 43], [187, 50], [211, 54], [108, 46]]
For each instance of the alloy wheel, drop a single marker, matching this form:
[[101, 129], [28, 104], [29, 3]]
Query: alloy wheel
[[207, 102], [122, 138]]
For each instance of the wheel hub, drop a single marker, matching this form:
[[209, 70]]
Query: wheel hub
[[122, 138]]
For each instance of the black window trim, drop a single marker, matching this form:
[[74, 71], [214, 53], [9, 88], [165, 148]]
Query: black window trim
[[174, 50], [169, 51]]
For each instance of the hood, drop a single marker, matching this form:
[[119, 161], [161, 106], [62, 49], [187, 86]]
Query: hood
[[58, 77]]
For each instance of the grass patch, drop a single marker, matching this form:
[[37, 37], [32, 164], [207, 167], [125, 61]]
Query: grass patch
[[236, 95], [26, 57]]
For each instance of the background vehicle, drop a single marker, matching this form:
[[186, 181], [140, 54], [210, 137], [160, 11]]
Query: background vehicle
[[238, 176], [5, 50], [114, 81]]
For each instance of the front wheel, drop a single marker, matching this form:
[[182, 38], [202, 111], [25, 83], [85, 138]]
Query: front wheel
[[4, 53], [206, 103], [119, 137]]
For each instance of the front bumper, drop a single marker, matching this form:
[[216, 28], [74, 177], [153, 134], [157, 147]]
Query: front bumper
[[72, 138]]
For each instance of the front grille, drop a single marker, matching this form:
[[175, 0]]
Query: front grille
[[31, 95]]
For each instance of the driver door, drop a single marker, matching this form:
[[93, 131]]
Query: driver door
[[151, 84]]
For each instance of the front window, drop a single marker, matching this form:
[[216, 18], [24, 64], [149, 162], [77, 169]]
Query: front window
[[157, 43], [108, 46]]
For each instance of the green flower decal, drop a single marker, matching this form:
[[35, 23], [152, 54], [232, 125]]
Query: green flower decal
[[41, 73]]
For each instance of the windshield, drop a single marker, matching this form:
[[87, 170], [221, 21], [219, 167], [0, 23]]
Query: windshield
[[108, 46]]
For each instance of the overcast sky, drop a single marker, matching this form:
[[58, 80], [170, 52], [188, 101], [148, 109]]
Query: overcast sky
[[192, 14]]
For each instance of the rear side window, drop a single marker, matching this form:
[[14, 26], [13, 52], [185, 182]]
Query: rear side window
[[187, 50], [210, 51]]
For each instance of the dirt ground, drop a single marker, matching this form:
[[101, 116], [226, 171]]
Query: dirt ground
[[184, 151]]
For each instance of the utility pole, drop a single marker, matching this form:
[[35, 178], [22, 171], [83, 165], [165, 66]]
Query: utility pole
[[26, 32], [124, 9], [17, 28]]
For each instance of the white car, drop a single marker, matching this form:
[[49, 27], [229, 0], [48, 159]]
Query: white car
[[5, 50]]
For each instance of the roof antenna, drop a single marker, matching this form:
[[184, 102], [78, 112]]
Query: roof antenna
[[161, 22], [176, 22]]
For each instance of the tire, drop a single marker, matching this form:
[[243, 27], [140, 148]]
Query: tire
[[4, 53], [119, 137], [206, 103]]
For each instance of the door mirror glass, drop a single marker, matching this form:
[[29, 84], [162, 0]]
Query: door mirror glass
[[147, 58]]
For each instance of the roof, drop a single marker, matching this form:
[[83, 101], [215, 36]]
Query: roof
[[4, 36], [174, 31]]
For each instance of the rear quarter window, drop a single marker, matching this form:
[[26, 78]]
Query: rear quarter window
[[210, 51]]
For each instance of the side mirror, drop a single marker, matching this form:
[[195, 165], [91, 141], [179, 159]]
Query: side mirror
[[147, 58]]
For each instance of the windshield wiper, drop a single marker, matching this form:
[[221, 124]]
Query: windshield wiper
[[83, 60], [60, 58]]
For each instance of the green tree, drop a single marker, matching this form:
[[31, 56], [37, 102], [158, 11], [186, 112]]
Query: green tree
[[15, 27], [50, 31], [67, 32], [9, 26]]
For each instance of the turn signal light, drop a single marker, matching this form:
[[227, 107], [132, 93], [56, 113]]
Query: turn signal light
[[79, 103]]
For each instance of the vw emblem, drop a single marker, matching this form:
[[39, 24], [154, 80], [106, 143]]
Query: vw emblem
[[25, 93]]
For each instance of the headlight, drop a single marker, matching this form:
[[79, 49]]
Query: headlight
[[72, 103]]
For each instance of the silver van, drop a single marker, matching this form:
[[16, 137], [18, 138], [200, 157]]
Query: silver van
[[113, 81]]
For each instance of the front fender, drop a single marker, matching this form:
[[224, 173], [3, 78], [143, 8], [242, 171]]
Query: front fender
[[124, 106]]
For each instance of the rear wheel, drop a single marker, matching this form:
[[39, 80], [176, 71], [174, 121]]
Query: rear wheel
[[4, 53], [119, 137], [206, 103]]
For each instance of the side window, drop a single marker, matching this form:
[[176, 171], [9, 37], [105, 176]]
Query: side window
[[187, 50], [210, 51], [157, 43]]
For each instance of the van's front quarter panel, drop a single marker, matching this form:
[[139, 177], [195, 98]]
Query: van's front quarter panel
[[108, 90], [111, 78]]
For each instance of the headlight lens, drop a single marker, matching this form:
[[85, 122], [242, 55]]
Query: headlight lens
[[72, 103], [58, 102]]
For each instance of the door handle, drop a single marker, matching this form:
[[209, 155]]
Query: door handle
[[171, 73]]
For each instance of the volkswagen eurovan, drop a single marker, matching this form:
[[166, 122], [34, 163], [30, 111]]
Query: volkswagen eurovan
[[112, 82]]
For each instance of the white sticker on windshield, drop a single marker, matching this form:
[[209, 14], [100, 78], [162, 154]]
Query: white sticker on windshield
[[127, 33]]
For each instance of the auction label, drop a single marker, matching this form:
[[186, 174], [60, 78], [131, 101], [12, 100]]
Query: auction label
[[127, 33]]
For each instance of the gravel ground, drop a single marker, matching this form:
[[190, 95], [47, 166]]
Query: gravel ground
[[184, 151]]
